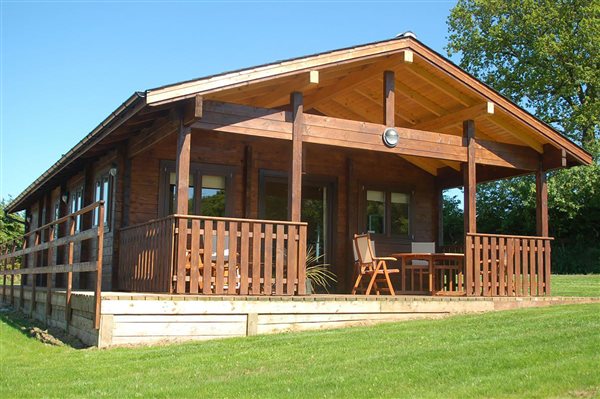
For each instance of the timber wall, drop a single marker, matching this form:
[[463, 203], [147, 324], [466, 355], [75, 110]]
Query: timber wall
[[135, 319], [82, 311], [351, 170]]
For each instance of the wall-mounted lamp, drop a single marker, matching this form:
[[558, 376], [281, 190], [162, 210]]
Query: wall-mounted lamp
[[390, 137], [112, 171], [65, 197]]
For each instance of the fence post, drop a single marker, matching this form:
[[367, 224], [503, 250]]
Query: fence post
[[50, 262], [98, 291], [34, 256], [69, 282], [22, 293]]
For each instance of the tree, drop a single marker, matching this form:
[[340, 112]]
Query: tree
[[543, 55], [11, 227]]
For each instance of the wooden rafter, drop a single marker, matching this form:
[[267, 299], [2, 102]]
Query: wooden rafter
[[516, 133], [430, 78], [349, 82], [458, 116]]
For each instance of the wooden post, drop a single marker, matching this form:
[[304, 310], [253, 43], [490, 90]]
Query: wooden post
[[541, 190], [51, 261], [544, 267], [35, 263], [439, 213], [69, 282], [470, 189], [295, 175], [183, 182], [100, 246], [389, 84], [248, 171]]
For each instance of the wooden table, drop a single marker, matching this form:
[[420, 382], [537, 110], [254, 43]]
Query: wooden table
[[431, 259]]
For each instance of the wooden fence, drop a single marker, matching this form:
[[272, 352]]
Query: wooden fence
[[40, 245], [503, 265], [214, 256], [146, 256]]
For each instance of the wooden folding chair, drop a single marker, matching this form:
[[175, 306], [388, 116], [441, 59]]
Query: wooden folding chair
[[370, 265]]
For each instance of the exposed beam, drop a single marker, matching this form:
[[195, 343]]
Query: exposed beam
[[435, 81], [326, 130], [419, 99], [147, 138], [377, 104], [421, 163], [453, 117], [510, 129], [554, 158], [281, 96], [389, 98], [351, 81]]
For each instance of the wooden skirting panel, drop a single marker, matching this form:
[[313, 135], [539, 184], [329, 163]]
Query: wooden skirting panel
[[81, 324], [145, 319]]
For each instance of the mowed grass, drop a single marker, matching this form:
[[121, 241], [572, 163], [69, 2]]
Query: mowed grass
[[576, 285], [533, 353]]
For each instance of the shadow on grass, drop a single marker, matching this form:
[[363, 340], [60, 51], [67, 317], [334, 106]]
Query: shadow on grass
[[35, 329]]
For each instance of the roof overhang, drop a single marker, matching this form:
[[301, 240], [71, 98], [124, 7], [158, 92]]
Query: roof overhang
[[405, 48]]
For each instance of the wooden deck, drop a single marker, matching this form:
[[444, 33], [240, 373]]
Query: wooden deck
[[146, 318]]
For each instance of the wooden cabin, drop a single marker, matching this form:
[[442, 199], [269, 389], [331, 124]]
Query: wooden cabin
[[220, 185]]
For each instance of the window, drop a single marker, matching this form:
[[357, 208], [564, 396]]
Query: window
[[388, 213], [102, 193], [212, 196], [56, 216], [208, 192], [76, 205], [375, 212]]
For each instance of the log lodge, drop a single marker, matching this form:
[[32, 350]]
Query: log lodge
[[221, 185]]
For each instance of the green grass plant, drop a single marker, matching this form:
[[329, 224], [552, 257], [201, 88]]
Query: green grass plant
[[551, 352]]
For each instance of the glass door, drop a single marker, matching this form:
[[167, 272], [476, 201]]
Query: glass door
[[315, 208]]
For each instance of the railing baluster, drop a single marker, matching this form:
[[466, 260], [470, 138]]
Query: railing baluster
[[207, 271], [245, 253], [292, 260], [268, 287], [195, 258], [532, 268], [220, 266], [256, 264], [233, 262], [279, 258]]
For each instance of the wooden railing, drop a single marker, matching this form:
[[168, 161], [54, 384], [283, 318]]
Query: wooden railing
[[214, 256], [503, 265], [44, 239], [146, 256]]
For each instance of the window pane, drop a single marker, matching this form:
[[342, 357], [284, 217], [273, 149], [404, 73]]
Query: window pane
[[400, 214], [375, 211], [105, 197], [97, 197], [212, 196], [276, 197], [173, 195]]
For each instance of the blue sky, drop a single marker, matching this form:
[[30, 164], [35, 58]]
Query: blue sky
[[66, 65]]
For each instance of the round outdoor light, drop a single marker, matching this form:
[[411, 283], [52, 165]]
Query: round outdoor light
[[390, 137]]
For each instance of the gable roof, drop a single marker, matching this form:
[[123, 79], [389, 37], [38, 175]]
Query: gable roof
[[258, 84]]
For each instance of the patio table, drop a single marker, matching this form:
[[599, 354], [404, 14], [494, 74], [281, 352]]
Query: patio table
[[431, 259]]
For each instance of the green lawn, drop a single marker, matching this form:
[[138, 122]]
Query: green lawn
[[540, 352], [576, 285]]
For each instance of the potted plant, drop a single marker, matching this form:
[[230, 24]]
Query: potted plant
[[317, 273]]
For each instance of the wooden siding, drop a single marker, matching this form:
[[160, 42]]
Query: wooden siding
[[273, 155]]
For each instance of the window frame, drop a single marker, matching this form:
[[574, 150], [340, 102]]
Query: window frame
[[99, 178], [73, 195], [387, 217], [197, 170]]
